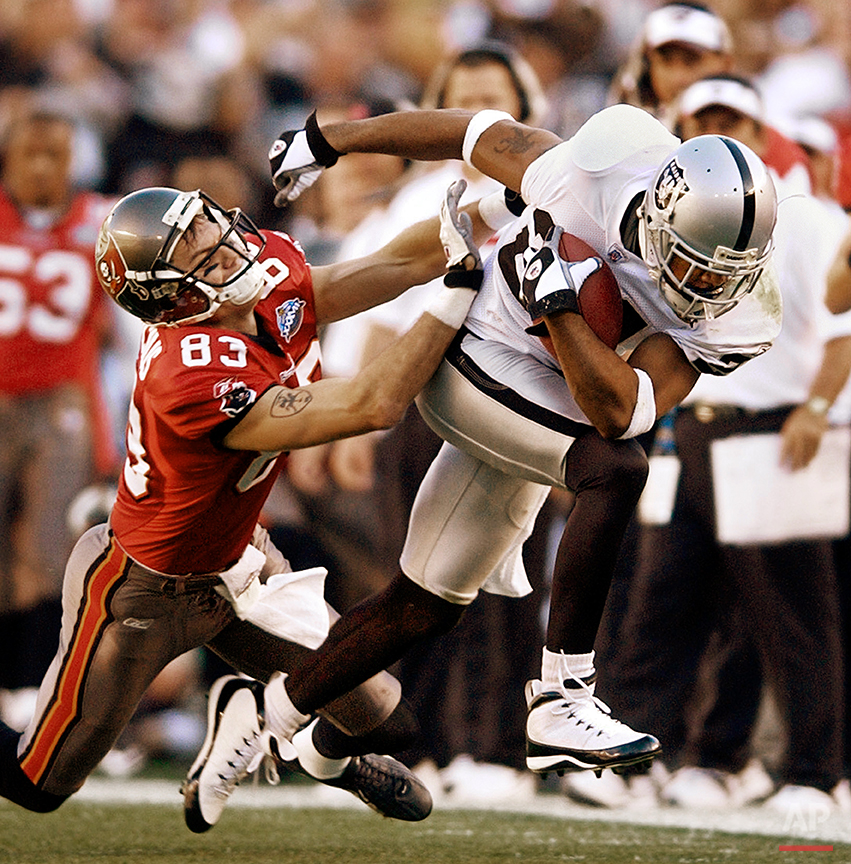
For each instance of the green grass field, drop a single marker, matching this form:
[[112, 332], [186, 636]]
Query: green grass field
[[142, 834]]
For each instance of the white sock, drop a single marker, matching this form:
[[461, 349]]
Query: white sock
[[556, 666], [318, 766], [283, 719]]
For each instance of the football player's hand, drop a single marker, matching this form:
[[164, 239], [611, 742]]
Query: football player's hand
[[298, 158], [551, 284], [463, 260]]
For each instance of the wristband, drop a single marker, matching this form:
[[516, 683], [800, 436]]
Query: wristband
[[325, 154], [500, 208], [458, 277], [451, 305], [478, 124]]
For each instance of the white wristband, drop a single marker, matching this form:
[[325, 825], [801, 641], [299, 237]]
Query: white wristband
[[644, 413], [477, 125], [494, 211], [450, 305]]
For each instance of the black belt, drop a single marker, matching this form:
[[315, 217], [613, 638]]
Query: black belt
[[174, 586], [707, 412]]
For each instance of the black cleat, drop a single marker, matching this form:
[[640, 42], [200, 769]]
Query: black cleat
[[386, 785], [381, 782]]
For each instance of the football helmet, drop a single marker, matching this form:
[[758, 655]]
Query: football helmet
[[136, 245], [705, 225]]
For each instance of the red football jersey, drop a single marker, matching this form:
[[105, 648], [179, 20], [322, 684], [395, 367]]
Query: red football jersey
[[51, 304], [187, 504]]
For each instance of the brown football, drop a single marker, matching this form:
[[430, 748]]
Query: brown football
[[600, 300]]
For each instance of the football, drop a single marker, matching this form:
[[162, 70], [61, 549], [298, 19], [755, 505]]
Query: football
[[600, 300]]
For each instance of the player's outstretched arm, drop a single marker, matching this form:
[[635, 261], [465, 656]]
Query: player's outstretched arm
[[414, 257], [492, 141], [287, 419]]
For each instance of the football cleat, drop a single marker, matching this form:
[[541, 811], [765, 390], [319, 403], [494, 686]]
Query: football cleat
[[232, 749], [570, 729], [382, 782], [387, 786]]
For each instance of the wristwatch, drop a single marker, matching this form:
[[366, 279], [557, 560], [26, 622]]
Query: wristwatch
[[818, 405]]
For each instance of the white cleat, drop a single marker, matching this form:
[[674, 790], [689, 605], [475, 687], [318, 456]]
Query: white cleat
[[232, 750], [570, 729]]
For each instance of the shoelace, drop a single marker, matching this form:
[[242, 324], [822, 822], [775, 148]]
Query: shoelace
[[270, 770], [265, 759], [600, 713], [245, 761]]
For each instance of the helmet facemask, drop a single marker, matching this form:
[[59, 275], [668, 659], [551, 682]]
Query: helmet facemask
[[708, 287], [196, 299]]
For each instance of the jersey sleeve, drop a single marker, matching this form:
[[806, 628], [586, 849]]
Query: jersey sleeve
[[719, 346]]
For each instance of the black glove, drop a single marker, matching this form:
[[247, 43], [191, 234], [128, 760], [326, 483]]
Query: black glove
[[297, 158], [514, 202]]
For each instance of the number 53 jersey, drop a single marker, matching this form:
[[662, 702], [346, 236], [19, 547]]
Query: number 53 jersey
[[51, 306], [186, 503]]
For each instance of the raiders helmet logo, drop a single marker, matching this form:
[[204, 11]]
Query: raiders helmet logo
[[670, 185]]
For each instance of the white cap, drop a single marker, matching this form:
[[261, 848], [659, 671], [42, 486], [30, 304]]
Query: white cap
[[721, 91], [686, 24], [812, 132]]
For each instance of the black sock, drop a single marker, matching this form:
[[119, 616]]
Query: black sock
[[398, 732]]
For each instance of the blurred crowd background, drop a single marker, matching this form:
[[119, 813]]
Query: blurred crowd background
[[149, 82], [191, 93]]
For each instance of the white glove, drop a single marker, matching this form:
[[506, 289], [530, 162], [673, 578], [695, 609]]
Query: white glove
[[456, 231], [551, 284], [464, 271], [298, 158]]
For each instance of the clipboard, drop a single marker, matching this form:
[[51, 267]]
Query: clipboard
[[759, 502]]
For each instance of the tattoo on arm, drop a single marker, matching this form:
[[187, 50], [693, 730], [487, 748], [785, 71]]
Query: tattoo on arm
[[519, 141], [290, 402]]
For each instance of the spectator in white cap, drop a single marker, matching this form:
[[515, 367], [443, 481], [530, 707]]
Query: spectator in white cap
[[679, 44], [730, 105], [820, 142]]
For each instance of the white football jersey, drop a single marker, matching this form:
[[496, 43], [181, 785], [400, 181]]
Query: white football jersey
[[586, 185]]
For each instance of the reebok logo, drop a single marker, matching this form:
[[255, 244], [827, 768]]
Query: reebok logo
[[138, 623]]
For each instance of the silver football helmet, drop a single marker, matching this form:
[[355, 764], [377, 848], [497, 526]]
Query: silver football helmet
[[705, 225], [137, 241]]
